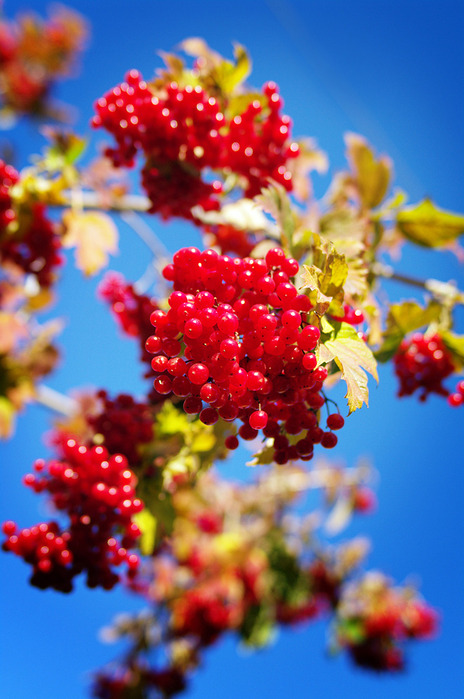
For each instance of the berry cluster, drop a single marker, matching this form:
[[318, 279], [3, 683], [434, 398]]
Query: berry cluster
[[138, 680], [33, 54], [421, 364], [230, 240], [124, 424], [257, 146], [8, 177], [97, 493], [131, 310], [384, 617], [353, 316], [183, 133], [456, 399], [248, 350], [34, 248]]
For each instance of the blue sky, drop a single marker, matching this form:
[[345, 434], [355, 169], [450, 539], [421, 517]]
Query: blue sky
[[393, 71]]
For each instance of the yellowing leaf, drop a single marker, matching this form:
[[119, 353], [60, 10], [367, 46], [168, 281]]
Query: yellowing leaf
[[429, 226], [146, 522], [326, 277], [7, 415], [203, 440], [372, 175], [455, 345], [263, 457], [402, 319], [353, 357], [94, 235], [233, 74]]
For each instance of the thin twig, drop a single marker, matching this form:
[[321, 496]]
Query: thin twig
[[56, 401], [434, 286]]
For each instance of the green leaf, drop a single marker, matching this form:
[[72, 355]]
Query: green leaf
[[352, 630], [429, 226], [372, 175], [402, 319], [65, 149], [146, 522], [353, 357], [258, 626]]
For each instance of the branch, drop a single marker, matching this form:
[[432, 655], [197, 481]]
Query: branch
[[53, 400], [127, 202], [441, 290]]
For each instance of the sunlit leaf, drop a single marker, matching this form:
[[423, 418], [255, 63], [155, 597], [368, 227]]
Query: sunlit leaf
[[94, 235], [326, 277], [455, 345], [372, 175], [402, 319], [429, 226], [146, 522], [353, 357], [7, 415]]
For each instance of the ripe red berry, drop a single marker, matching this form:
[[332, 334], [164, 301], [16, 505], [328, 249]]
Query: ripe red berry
[[258, 420], [335, 421]]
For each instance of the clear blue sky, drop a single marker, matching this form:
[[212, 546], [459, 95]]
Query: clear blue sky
[[393, 71]]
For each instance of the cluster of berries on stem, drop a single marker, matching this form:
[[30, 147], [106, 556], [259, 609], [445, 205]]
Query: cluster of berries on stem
[[96, 491], [34, 247], [236, 344], [184, 134], [421, 363]]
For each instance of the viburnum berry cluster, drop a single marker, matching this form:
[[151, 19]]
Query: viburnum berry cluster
[[34, 246], [131, 309], [33, 55], [96, 491], [123, 424], [185, 133], [422, 362], [247, 349], [374, 619], [456, 399]]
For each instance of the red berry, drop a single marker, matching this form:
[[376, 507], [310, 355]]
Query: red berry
[[335, 421], [258, 420]]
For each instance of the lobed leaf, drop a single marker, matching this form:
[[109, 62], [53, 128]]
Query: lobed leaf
[[402, 319], [326, 277], [94, 235], [352, 356], [372, 175], [429, 226]]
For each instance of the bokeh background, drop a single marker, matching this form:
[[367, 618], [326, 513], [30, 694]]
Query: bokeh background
[[394, 72]]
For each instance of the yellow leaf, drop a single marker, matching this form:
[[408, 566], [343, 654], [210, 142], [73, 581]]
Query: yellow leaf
[[326, 277], [372, 176], [429, 226], [7, 414], [94, 235], [402, 319], [146, 522], [353, 357]]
